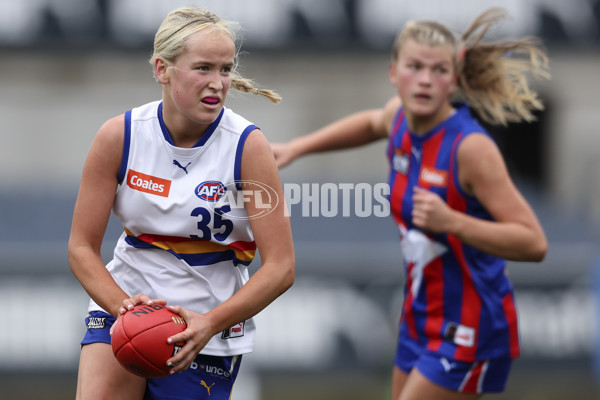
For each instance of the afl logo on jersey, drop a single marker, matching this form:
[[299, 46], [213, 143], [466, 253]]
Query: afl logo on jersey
[[401, 162], [210, 190]]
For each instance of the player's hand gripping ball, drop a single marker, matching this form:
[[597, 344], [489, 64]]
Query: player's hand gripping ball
[[139, 340]]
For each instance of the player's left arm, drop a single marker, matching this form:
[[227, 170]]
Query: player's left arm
[[273, 237], [516, 233]]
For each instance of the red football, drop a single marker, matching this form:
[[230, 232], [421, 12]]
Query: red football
[[139, 340]]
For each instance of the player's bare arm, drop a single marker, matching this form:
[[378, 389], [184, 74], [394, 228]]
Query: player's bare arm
[[91, 214], [273, 237], [355, 130], [517, 233]]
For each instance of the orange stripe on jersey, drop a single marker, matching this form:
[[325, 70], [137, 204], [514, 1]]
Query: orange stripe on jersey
[[244, 251]]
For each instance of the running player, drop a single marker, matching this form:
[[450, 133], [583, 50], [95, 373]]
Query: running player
[[166, 169], [458, 212]]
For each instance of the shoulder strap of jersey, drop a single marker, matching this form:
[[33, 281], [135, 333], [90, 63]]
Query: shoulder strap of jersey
[[395, 129], [126, 143]]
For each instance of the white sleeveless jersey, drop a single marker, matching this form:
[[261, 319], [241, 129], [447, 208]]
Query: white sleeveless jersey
[[183, 242]]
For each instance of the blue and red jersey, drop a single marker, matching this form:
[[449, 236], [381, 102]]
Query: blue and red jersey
[[458, 300]]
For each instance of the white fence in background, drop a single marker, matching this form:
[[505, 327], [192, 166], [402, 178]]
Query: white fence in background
[[42, 324]]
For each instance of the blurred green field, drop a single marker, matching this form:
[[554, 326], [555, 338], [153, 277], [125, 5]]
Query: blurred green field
[[545, 383]]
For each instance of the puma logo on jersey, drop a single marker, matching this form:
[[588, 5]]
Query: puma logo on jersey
[[175, 162], [148, 183], [206, 386], [416, 153]]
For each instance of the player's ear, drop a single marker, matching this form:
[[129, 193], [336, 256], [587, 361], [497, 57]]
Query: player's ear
[[161, 70]]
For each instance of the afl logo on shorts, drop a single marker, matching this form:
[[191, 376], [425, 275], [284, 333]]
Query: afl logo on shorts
[[210, 190]]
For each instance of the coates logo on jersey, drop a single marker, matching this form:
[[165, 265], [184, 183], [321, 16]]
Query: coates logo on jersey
[[210, 190], [148, 183]]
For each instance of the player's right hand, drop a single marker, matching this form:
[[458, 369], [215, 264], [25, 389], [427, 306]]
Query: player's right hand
[[140, 298]]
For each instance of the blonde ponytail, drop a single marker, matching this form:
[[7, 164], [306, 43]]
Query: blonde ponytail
[[492, 77], [179, 24], [247, 86]]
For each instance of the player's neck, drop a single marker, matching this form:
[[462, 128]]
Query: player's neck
[[421, 125]]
